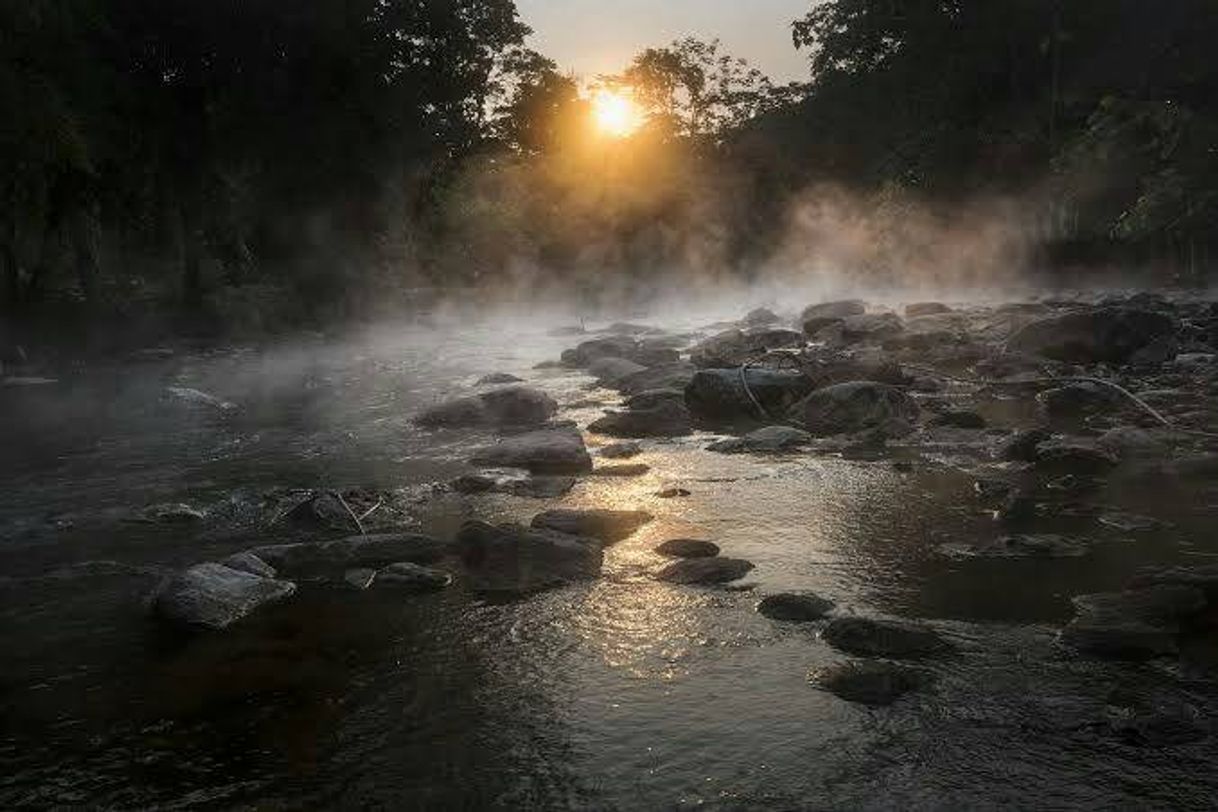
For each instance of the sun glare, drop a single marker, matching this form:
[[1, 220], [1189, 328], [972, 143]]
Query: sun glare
[[615, 113]]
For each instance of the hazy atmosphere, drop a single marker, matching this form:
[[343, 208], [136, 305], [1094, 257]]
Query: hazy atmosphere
[[478, 404]]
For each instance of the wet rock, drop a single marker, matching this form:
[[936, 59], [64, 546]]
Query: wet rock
[[1107, 334], [733, 347], [321, 511], [375, 550], [1134, 624], [869, 327], [759, 317], [194, 397], [666, 376], [868, 683], [248, 562], [536, 487], [667, 419], [625, 470], [815, 326], [510, 558], [852, 407], [672, 493], [1022, 445], [171, 513], [688, 548], [558, 450], [834, 310], [1133, 443], [213, 596], [918, 309], [716, 570], [597, 348], [510, 406], [718, 395], [412, 577], [768, 440], [1018, 546], [612, 370], [498, 378], [959, 420], [1160, 351], [1078, 400], [608, 526], [992, 488], [617, 451], [836, 368], [1076, 457], [359, 578], [655, 397], [802, 607], [881, 638]]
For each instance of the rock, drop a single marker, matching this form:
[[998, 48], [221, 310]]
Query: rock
[[655, 397], [510, 558], [1018, 546], [497, 378], [213, 596], [1136, 624], [834, 310], [509, 406], [1079, 399], [1076, 457], [688, 548], [733, 347], [558, 450], [868, 683], [171, 513], [918, 309], [248, 562], [321, 511], [1022, 445], [672, 493], [795, 607], [610, 347], [193, 397], [608, 526], [625, 328], [1128, 442], [1106, 334], [759, 317], [715, 570], [618, 451], [813, 327], [359, 578], [881, 638], [666, 376], [412, 577], [768, 440], [612, 370], [718, 395], [625, 470], [667, 419], [375, 550], [1144, 720], [845, 408], [1162, 350], [958, 420], [536, 487], [869, 327], [1018, 510]]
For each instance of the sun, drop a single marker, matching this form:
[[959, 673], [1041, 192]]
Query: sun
[[615, 113]]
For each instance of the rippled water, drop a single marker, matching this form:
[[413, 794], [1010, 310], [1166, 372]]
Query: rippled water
[[618, 693]]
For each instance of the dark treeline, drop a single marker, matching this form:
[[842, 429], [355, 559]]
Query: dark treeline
[[266, 162]]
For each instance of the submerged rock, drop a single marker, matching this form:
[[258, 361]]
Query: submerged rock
[[868, 683], [882, 638], [509, 406], [846, 408], [716, 570], [1018, 546], [171, 513], [688, 548], [213, 596], [510, 558], [667, 419], [801, 607], [413, 577], [768, 440], [1106, 334], [558, 450], [608, 526], [354, 551], [718, 395], [1135, 624]]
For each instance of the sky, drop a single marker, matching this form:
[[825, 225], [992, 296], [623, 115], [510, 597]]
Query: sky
[[591, 38]]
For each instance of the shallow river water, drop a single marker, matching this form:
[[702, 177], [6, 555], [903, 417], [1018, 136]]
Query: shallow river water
[[619, 693]]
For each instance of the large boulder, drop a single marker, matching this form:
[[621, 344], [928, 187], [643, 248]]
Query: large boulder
[[1079, 399], [846, 408], [213, 596], [795, 607], [611, 370], [768, 440], [665, 376], [510, 558], [1135, 624], [1106, 334], [375, 550], [759, 317], [881, 638], [655, 397], [509, 406], [715, 570], [609, 347], [734, 347], [834, 310], [607, 526], [557, 450], [718, 395], [869, 327], [666, 419]]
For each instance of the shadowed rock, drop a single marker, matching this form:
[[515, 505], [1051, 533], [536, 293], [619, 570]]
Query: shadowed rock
[[354, 551], [510, 406], [688, 548], [413, 577], [213, 596], [834, 310], [734, 347], [800, 607], [1135, 624], [558, 450], [718, 395], [768, 440], [868, 683], [510, 558], [882, 638], [1108, 334], [248, 562], [715, 570], [611, 370], [619, 451], [846, 408], [606, 525], [667, 419]]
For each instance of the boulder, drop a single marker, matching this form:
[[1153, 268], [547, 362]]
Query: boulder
[[1078, 400], [509, 406], [557, 450], [619, 451], [718, 395], [412, 577], [665, 376], [846, 408], [1022, 445], [1105, 334], [607, 526], [321, 511], [834, 310], [375, 550], [498, 378], [536, 487], [667, 419], [612, 370], [875, 684], [609, 347], [359, 578], [652, 398], [733, 347], [760, 316], [688, 548], [882, 638], [510, 558], [248, 562], [716, 570], [1135, 624], [802, 607], [1078, 457], [768, 440], [869, 327], [213, 596]]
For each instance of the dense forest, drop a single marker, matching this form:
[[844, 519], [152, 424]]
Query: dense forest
[[270, 163]]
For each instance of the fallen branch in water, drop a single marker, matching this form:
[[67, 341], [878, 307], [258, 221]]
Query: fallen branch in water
[[358, 524]]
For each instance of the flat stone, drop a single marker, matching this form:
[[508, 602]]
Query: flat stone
[[768, 440], [626, 470], [715, 570], [213, 596], [801, 607], [375, 550], [608, 526], [617, 451], [688, 548], [875, 684], [510, 558], [412, 577], [558, 450], [881, 638]]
